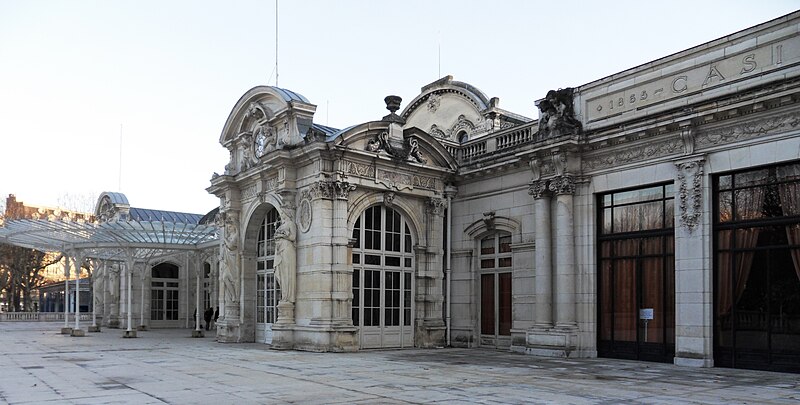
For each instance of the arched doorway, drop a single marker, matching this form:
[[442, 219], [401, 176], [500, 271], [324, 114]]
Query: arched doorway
[[267, 289], [383, 279]]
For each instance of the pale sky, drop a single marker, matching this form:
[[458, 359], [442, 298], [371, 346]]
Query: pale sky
[[169, 72]]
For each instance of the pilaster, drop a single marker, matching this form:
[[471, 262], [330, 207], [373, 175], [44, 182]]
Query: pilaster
[[693, 274]]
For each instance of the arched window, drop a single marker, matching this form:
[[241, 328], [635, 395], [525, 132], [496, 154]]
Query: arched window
[[267, 290], [164, 292], [462, 137]]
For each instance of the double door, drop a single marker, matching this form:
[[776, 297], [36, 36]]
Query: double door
[[636, 311], [495, 317], [382, 307]]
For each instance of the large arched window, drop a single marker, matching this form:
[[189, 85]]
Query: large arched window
[[383, 278], [267, 290], [164, 292]]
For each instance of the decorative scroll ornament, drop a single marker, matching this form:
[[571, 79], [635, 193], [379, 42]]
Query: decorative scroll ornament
[[538, 189], [557, 114], [562, 185], [690, 192]]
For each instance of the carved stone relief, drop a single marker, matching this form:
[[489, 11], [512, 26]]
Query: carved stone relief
[[305, 215], [747, 130], [538, 189], [434, 100], [562, 185], [408, 151], [690, 192], [436, 205]]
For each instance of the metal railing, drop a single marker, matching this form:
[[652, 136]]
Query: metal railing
[[40, 316]]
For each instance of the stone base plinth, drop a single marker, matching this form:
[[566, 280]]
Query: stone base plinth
[[94, 328], [554, 342], [129, 334], [142, 328], [229, 331], [198, 334], [66, 331], [329, 338], [77, 333], [113, 322], [430, 335], [282, 337]]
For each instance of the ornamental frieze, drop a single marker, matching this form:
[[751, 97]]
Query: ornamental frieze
[[250, 192], [634, 154], [750, 129], [359, 169]]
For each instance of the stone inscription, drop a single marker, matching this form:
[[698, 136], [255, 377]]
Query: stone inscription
[[709, 75]]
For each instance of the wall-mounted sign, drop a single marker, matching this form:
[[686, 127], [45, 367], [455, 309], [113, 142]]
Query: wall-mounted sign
[[646, 313]]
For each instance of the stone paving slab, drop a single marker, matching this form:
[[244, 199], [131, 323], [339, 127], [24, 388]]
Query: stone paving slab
[[41, 366]]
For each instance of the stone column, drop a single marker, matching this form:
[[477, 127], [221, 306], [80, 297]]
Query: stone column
[[114, 295], [543, 318], [693, 271], [564, 188]]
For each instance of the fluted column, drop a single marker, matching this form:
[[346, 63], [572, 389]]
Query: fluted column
[[564, 188], [543, 316]]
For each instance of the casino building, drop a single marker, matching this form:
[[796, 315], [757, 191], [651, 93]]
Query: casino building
[[653, 214]]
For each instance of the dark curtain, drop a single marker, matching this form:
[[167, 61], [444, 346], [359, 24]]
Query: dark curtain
[[749, 204], [625, 316]]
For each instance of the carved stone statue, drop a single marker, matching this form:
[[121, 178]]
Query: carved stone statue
[[97, 289], [557, 115], [229, 266], [286, 258], [113, 282]]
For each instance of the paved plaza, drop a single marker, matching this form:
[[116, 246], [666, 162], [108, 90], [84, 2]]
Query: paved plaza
[[39, 365]]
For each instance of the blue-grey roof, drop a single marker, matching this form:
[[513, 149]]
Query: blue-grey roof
[[144, 214], [115, 198], [325, 129], [289, 95], [333, 136]]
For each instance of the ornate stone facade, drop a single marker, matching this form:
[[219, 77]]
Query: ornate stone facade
[[534, 199]]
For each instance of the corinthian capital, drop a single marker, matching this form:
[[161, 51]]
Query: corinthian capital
[[563, 185], [436, 205], [342, 189], [538, 189]]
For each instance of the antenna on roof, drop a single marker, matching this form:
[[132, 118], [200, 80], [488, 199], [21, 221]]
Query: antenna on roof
[[276, 43], [327, 111], [119, 184]]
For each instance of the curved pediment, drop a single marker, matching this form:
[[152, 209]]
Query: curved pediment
[[457, 112], [448, 109], [258, 108]]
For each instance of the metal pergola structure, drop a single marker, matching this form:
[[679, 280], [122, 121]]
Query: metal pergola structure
[[123, 241]]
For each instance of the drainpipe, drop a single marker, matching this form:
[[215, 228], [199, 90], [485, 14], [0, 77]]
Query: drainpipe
[[449, 269]]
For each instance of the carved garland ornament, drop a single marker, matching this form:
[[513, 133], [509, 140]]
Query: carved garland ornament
[[690, 192]]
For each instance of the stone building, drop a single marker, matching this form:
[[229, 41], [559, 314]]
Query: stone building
[[651, 214]]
